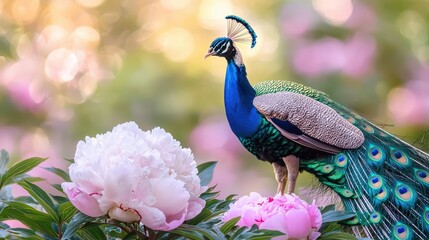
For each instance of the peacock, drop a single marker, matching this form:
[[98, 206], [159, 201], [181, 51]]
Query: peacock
[[379, 177]]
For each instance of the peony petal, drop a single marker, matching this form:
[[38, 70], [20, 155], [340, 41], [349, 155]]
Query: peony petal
[[315, 216], [156, 220], [164, 189], [297, 223], [81, 200], [314, 235], [196, 205], [124, 215], [172, 222], [277, 223], [151, 217]]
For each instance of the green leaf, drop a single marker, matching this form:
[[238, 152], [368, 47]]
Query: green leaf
[[66, 211], [328, 208], [4, 160], [76, 222], [254, 233], [60, 199], [70, 160], [58, 187], [337, 236], [91, 231], [226, 227], [205, 232], [3, 225], [335, 216], [30, 217], [27, 178], [42, 198], [205, 172], [187, 234], [25, 199], [20, 168], [204, 214], [130, 236], [24, 233], [59, 172]]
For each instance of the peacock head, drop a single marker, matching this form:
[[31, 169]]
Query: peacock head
[[238, 31], [222, 47]]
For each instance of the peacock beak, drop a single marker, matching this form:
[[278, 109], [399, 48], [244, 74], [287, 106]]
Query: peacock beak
[[209, 53]]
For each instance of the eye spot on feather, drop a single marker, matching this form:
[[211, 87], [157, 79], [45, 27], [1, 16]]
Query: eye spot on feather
[[375, 217], [399, 157], [375, 154], [350, 119], [367, 128], [375, 182], [383, 134], [382, 194], [347, 193], [356, 116], [353, 221], [421, 176], [404, 193], [402, 232], [327, 168], [341, 160]]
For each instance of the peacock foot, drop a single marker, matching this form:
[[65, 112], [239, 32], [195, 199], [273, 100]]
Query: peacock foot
[[292, 166], [280, 173]]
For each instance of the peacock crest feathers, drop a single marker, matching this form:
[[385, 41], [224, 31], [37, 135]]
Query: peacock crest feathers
[[240, 31]]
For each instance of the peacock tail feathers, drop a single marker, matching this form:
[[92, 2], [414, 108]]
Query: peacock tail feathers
[[385, 181]]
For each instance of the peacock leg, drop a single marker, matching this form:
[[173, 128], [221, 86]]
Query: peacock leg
[[292, 165], [281, 176]]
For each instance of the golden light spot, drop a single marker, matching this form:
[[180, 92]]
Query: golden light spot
[[175, 4], [90, 3], [62, 65], [335, 12], [54, 36], [177, 44], [402, 104], [412, 26], [86, 36], [212, 14], [87, 85], [25, 10]]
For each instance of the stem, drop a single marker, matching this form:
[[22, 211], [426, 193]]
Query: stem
[[60, 231], [151, 234], [118, 224]]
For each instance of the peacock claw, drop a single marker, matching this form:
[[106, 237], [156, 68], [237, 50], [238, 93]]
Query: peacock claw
[[280, 173], [292, 166]]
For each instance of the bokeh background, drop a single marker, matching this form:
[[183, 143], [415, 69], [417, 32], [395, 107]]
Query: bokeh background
[[75, 68]]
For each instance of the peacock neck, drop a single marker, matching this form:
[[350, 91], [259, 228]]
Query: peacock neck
[[238, 96]]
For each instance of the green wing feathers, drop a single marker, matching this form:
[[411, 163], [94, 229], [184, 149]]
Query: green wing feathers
[[385, 181], [273, 86]]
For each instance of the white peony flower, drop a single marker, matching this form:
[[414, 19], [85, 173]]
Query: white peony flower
[[133, 175]]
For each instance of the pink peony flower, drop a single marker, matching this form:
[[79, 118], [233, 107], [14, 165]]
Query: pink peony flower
[[288, 214], [133, 175]]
